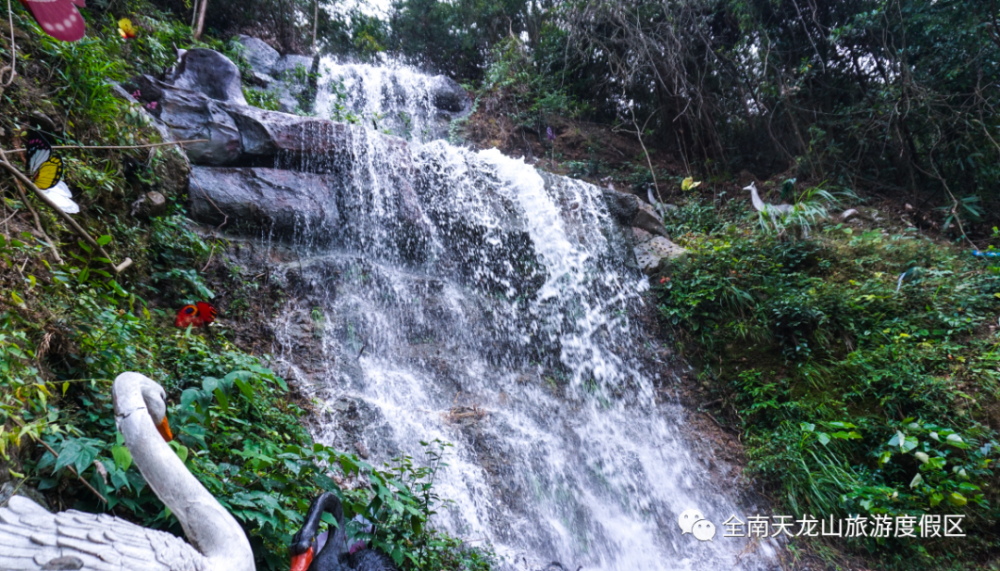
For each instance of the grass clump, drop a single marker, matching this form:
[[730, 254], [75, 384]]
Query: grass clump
[[854, 398]]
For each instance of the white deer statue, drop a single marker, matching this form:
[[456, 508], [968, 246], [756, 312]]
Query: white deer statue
[[761, 206]]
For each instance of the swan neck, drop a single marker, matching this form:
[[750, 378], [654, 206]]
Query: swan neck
[[755, 198], [208, 526]]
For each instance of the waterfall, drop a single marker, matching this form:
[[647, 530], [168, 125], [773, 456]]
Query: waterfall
[[467, 297], [393, 99]]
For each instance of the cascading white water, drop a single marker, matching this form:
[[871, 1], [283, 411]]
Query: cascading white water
[[468, 297], [397, 99]]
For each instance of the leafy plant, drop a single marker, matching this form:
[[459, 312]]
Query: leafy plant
[[811, 205], [261, 98], [854, 398]]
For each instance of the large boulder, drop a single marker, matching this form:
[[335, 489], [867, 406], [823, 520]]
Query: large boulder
[[252, 199], [295, 82], [210, 73], [652, 252], [630, 210], [193, 115], [294, 66], [259, 55], [448, 95], [269, 134], [242, 135]]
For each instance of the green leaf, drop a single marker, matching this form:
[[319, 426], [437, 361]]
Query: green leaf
[[79, 453], [247, 390], [416, 524], [117, 288], [956, 441], [223, 399], [104, 240], [897, 439], [935, 463], [179, 449], [823, 437], [397, 555], [122, 456], [957, 499]]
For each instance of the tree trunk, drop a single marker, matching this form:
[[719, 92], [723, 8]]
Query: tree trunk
[[315, 22], [194, 14], [201, 19]]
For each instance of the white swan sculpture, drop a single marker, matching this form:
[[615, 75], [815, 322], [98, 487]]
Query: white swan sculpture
[[32, 539], [761, 206]]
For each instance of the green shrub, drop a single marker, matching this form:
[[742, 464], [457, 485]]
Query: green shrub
[[854, 398], [238, 427], [261, 98]]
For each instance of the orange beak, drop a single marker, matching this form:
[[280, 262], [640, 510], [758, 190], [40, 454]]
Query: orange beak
[[301, 561], [164, 428]]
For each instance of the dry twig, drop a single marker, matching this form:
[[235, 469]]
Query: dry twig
[[38, 222]]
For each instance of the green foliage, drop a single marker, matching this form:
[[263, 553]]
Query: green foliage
[[339, 110], [854, 398], [236, 427], [83, 71], [455, 37], [527, 92], [261, 98], [754, 84], [811, 205]]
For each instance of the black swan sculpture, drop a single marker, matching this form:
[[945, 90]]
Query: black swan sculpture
[[311, 553], [32, 539]]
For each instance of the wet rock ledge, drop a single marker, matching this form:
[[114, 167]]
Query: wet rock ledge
[[283, 174]]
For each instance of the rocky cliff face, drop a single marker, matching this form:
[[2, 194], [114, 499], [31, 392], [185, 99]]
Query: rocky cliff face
[[288, 175]]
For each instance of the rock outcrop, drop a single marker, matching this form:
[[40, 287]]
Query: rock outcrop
[[652, 251], [287, 175], [630, 211], [211, 73], [261, 58], [447, 95], [240, 135], [291, 77], [192, 115], [275, 201]]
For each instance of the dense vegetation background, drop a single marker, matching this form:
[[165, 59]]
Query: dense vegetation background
[[853, 390]]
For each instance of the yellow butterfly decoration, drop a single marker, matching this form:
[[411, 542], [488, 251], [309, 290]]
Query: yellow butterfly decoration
[[45, 170], [689, 184], [126, 29]]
